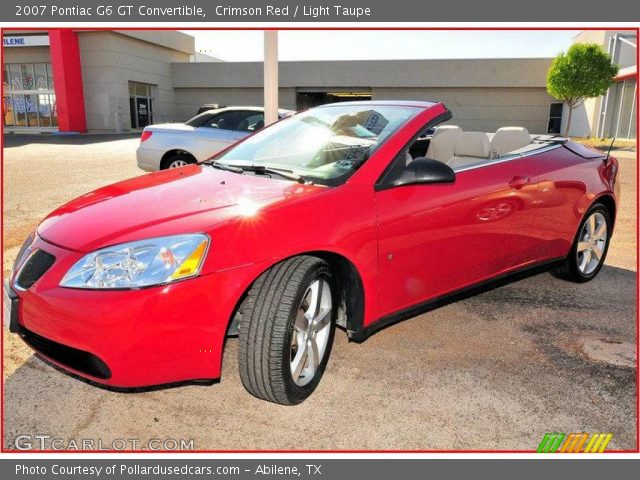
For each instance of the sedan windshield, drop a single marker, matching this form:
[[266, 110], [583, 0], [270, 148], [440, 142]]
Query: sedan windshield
[[324, 145]]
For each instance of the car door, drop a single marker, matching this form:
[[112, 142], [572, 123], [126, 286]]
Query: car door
[[248, 122], [435, 239]]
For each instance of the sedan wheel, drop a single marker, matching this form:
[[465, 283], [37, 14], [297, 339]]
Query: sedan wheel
[[286, 330], [177, 160], [178, 163]]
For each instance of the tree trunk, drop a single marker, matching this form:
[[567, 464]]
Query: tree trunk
[[566, 129]]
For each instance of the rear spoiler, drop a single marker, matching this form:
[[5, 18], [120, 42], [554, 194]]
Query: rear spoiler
[[574, 147]]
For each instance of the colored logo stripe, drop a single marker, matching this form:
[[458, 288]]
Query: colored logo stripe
[[574, 442], [551, 442], [598, 443]]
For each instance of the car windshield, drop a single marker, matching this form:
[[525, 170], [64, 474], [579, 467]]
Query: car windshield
[[324, 145]]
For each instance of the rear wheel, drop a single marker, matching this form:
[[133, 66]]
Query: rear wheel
[[589, 248], [287, 330], [178, 160]]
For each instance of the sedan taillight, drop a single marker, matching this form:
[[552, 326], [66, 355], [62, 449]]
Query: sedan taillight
[[145, 135]]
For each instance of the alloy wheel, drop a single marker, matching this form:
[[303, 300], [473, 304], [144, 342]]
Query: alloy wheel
[[177, 164], [592, 243], [311, 330]]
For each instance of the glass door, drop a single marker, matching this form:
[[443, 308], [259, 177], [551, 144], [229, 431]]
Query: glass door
[[141, 104]]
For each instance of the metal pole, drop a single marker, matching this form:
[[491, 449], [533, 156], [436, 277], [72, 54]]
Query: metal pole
[[270, 76]]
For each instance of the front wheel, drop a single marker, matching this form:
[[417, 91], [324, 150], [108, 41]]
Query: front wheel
[[287, 330], [589, 248]]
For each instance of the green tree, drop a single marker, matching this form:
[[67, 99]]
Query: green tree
[[584, 71]]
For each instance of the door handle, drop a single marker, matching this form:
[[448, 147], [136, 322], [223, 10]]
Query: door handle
[[519, 182]]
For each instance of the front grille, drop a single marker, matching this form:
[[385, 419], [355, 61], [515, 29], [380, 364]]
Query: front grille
[[74, 358], [35, 266]]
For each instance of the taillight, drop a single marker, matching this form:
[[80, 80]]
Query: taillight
[[146, 134]]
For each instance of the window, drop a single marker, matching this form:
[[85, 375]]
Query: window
[[555, 117], [245, 121], [15, 80], [29, 98], [623, 118], [7, 111], [252, 123], [141, 98], [225, 120], [40, 76], [199, 120]]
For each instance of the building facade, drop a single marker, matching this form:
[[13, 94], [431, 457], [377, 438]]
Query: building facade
[[114, 81], [483, 94], [63, 80]]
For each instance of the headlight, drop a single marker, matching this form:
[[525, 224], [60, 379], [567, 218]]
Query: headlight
[[140, 264]]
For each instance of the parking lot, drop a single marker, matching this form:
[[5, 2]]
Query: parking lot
[[496, 371]]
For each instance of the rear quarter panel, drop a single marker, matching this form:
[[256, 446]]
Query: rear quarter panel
[[164, 142], [568, 185]]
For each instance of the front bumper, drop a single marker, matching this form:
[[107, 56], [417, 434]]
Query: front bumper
[[127, 338]]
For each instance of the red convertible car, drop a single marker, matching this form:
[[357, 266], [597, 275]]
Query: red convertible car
[[355, 215]]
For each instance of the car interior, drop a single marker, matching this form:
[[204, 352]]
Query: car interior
[[459, 149]]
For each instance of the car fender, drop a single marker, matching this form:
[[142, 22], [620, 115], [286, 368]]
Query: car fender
[[258, 239]]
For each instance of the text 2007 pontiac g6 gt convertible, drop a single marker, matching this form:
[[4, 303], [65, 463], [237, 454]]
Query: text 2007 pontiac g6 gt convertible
[[352, 214]]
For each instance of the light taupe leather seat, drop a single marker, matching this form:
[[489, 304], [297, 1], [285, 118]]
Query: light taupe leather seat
[[442, 143], [470, 148], [508, 139]]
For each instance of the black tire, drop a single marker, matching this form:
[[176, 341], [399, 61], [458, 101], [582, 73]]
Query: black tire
[[569, 270], [267, 328], [177, 157]]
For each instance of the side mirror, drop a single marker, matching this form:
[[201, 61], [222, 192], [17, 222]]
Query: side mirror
[[423, 171]]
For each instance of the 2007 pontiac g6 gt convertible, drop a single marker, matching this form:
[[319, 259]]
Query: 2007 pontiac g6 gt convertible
[[355, 215]]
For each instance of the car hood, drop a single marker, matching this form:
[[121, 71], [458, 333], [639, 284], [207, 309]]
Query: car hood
[[183, 200]]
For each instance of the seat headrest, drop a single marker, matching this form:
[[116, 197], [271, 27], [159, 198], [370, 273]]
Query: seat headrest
[[472, 144], [508, 139], [447, 128], [442, 142]]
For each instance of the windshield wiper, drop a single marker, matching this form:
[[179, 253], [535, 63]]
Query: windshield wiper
[[258, 169], [223, 166], [264, 170]]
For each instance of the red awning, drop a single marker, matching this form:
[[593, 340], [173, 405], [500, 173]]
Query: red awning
[[626, 74]]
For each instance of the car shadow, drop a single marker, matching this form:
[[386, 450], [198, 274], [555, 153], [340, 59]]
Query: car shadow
[[12, 140]]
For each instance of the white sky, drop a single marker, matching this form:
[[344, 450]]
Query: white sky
[[236, 46]]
